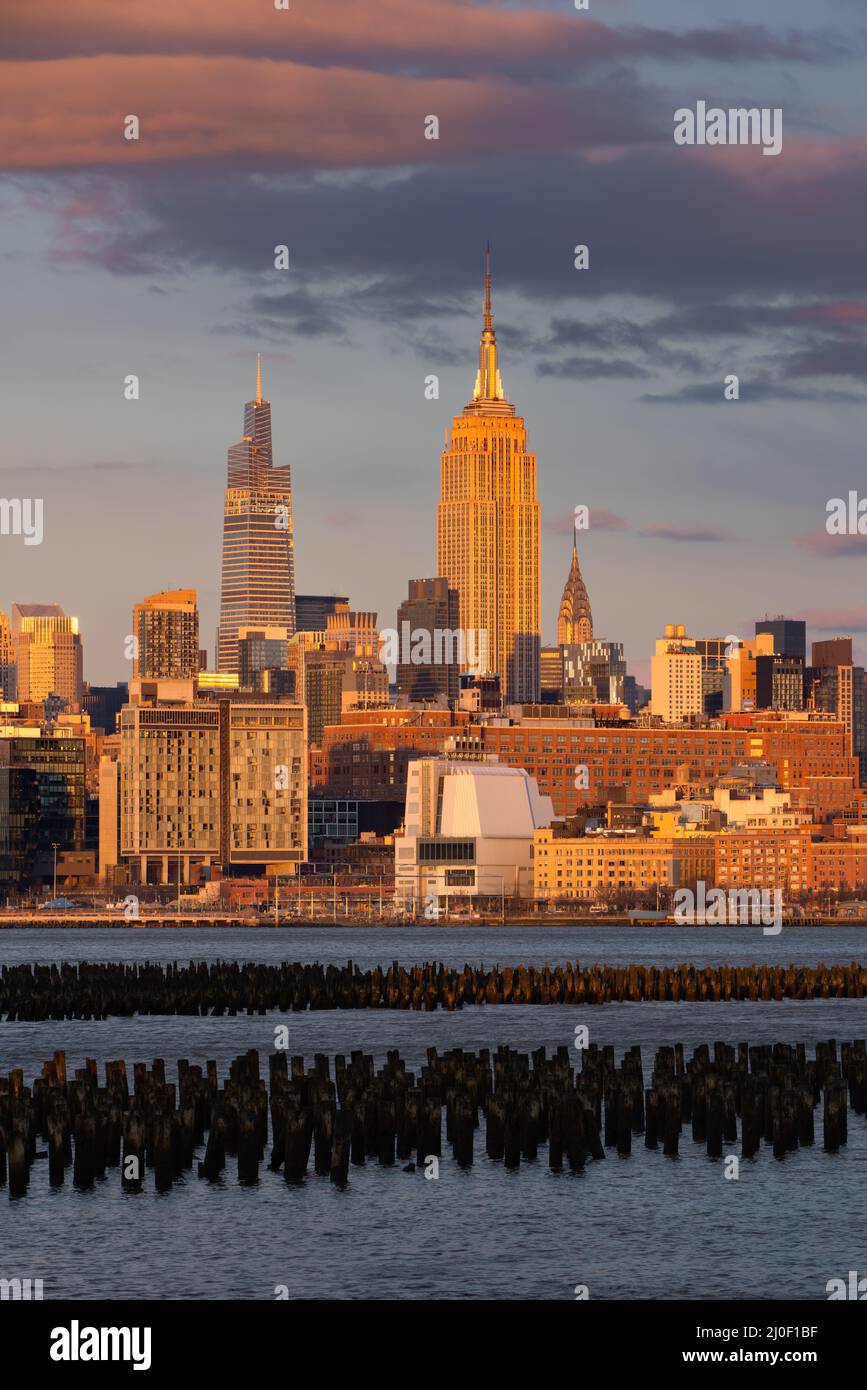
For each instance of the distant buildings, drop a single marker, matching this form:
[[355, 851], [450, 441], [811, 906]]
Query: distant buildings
[[166, 631], [468, 830], [428, 625], [676, 676], [258, 548], [48, 654], [789, 634], [7, 659], [575, 620], [488, 531], [594, 673], [312, 611], [211, 781], [42, 804]]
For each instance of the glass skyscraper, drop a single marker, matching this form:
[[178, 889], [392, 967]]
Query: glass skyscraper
[[258, 549]]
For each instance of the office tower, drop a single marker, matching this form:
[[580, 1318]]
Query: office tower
[[779, 682], [312, 611], [260, 651], [739, 684], [488, 541], [258, 547], [103, 703], [675, 676], [551, 675], [323, 692], [575, 620], [429, 637], [836, 686], [48, 653], [595, 673], [166, 631], [835, 651], [789, 634], [7, 660], [42, 804], [217, 781]]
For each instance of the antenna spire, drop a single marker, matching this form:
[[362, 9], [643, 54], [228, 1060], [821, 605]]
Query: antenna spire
[[258, 378]]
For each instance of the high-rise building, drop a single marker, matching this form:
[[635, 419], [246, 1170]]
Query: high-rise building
[[222, 780], [166, 631], [312, 611], [488, 537], [261, 650], [103, 703], [834, 651], [48, 653], [258, 546], [7, 659], [42, 803], [739, 684], [789, 634], [427, 625], [575, 620], [676, 676], [779, 682], [595, 673]]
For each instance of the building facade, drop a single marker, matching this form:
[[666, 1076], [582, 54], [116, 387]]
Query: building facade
[[488, 527], [166, 631], [258, 586]]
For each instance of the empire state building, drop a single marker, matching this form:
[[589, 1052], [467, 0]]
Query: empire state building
[[258, 547], [488, 541]]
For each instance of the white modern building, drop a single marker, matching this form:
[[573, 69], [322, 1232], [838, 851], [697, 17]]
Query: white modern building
[[468, 830]]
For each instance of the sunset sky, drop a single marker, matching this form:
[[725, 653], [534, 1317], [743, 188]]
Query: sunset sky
[[306, 127]]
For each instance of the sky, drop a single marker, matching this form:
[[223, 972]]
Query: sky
[[305, 127]]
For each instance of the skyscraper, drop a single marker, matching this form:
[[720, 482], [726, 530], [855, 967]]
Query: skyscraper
[[7, 659], [48, 654], [488, 541], [430, 611], [575, 620], [789, 634], [166, 628], [258, 547]]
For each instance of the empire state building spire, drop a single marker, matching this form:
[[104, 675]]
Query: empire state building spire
[[489, 386]]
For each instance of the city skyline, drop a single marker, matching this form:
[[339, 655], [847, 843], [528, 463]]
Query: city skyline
[[155, 263]]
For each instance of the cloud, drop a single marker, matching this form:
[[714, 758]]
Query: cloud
[[844, 621], [819, 542], [701, 534], [601, 520]]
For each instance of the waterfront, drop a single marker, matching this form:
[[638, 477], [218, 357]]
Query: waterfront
[[642, 1227]]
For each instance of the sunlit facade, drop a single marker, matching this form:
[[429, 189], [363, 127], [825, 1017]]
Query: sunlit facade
[[258, 548], [488, 533]]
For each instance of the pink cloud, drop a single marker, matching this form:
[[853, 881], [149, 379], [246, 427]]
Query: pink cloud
[[843, 621], [600, 520], [819, 542]]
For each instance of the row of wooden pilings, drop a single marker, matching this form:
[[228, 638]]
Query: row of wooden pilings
[[391, 1115], [32, 993]]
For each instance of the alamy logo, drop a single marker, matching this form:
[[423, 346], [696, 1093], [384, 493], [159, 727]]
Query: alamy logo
[[738, 125], [76, 1343], [857, 1288], [22, 516], [20, 1290], [843, 520], [444, 646], [739, 906]]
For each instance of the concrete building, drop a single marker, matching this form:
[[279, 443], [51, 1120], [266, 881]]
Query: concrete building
[[212, 781], [7, 659], [675, 676], [468, 831], [589, 867], [312, 611]]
